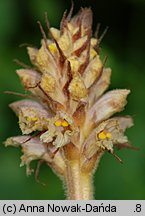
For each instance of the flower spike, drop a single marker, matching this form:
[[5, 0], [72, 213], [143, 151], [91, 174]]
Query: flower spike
[[68, 121]]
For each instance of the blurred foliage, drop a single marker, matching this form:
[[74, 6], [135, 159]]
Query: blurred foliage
[[125, 47]]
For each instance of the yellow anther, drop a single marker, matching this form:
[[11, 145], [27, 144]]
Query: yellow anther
[[32, 119], [102, 135], [108, 135], [52, 47], [64, 123], [58, 123]]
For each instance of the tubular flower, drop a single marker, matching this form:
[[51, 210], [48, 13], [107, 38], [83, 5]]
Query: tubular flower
[[69, 113], [60, 130]]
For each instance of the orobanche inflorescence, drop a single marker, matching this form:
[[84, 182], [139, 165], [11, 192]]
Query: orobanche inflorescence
[[67, 122]]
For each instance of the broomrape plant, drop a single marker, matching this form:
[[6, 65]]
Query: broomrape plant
[[66, 122]]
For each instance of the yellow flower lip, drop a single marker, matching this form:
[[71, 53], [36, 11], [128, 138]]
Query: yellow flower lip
[[32, 119], [62, 123], [103, 135]]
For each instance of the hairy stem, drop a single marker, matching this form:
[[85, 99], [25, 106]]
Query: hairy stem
[[78, 183]]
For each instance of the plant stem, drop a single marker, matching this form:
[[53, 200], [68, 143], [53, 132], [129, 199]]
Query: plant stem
[[79, 184]]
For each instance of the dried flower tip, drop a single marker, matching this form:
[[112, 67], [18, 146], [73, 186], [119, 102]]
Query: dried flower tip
[[29, 78], [32, 52]]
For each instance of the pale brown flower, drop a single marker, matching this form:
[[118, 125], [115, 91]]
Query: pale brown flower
[[69, 110]]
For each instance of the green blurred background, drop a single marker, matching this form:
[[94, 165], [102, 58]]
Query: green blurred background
[[124, 45]]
